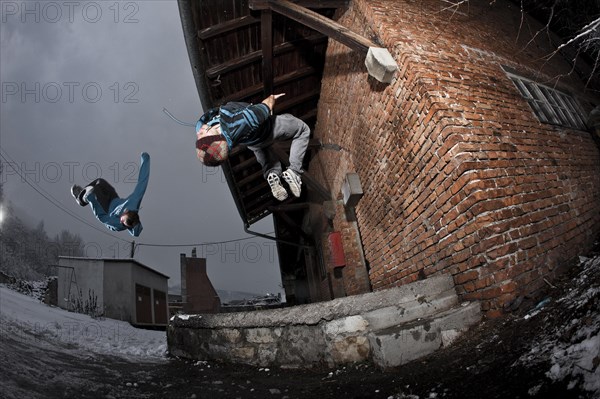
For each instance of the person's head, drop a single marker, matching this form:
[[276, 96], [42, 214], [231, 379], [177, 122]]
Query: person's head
[[212, 150], [130, 219]]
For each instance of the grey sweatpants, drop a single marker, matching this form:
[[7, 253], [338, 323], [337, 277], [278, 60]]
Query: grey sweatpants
[[285, 127]]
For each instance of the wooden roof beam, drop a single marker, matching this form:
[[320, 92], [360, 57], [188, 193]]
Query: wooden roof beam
[[315, 4], [226, 27], [257, 205], [256, 56], [291, 102], [243, 165], [266, 32], [259, 189], [379, 62], [256, 176], [321, 24], [246, 93]]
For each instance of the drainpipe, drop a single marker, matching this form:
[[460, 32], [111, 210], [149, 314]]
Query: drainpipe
[[247, 230]]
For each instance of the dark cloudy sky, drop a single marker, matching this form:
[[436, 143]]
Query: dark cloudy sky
[[83, 88]]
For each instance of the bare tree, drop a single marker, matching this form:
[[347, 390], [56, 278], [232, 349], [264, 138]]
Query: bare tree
[[69, 244], [577, 24], [572, 26]]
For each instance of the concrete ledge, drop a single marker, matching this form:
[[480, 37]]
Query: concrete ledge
[[398, 345], [421, 307], [342, 331], [423, 292]]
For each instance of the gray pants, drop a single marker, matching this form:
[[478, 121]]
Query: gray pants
[[285, 127]]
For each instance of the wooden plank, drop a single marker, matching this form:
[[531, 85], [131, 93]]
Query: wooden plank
[[300, 206], [243, 165], [295, 75], [308, 116], [256, 89], [249, 179], [266, 32], [264, 207], [322, 24], [225, 27], [261, 203], [291, 102], [233, 65], [316, 4], [259, 188], [256, 56]]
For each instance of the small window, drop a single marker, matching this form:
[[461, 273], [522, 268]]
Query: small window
[[550, 105]]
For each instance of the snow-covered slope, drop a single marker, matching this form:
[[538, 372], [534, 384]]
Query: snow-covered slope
[[21, 313]]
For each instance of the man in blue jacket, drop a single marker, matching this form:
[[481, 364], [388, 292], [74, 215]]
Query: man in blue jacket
[[116, 213], [222, 128]]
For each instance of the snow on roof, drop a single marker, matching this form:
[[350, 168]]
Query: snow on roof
[[115, 260]]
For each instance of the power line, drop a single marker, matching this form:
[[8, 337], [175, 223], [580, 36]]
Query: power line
[[54, 201], [49, 196], [195, 245]]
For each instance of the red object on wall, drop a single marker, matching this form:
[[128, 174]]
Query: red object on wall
[[336, 249]]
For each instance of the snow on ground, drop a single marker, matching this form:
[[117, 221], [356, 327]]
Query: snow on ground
[[574, 349], [570, 348], [20, 314]]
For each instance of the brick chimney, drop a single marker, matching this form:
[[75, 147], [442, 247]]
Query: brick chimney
[[197, 292]]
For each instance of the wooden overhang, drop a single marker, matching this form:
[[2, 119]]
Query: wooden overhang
[[245, 50], [238, 53]]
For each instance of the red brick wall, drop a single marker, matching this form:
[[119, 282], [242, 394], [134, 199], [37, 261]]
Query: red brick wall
[[458, 174]]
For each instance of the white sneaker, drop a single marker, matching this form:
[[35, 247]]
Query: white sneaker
[[294, 181], [277, 189]]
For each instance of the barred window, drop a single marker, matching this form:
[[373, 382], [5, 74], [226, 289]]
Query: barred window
[[550, 105]]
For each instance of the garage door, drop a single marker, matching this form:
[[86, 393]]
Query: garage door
[[160, 307], [143, 305]]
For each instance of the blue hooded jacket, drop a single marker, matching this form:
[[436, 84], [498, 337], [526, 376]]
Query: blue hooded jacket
[[241, 123], [116, 208]]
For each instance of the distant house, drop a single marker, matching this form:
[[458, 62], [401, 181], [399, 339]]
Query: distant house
[[122, 289], [175, 304]]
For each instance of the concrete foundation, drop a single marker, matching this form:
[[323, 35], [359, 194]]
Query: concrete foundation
[[387, 327]]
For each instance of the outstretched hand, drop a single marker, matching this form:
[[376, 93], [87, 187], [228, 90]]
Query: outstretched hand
[[270, 101]]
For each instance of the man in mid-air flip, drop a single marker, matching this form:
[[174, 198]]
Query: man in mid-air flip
[[222, 128], [116, 213]]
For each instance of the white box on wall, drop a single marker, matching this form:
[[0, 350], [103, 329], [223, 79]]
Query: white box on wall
[[351, 190]]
